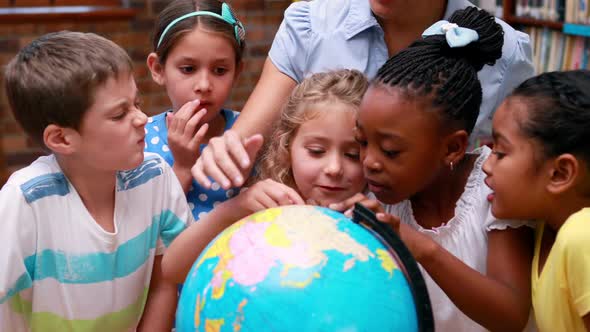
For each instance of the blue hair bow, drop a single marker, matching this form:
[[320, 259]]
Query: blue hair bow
[[455, 35]]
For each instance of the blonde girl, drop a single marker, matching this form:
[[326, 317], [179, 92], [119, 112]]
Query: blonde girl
[[312, 157]]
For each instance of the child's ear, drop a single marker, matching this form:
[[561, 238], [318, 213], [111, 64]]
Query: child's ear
[[564, 173], [60, 140], [456, 145], [156, 68]]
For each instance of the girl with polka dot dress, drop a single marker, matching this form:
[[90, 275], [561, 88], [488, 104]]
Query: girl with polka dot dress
[[198, 47]]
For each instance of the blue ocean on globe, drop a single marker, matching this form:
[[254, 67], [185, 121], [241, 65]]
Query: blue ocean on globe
[[296, 268]]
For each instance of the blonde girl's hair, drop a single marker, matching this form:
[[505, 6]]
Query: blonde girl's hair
[[345, 86]]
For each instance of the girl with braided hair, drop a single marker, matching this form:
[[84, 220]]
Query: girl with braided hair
[[413, 127], [540, 170]]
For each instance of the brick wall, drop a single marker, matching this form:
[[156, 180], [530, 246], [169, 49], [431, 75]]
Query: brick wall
[[260, 17]]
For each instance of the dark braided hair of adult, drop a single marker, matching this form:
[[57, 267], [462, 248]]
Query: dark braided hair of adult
[[430, 67]]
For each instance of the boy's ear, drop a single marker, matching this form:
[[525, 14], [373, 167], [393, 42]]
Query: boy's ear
[[156, 69], [563, 173], [456, 145], [60, 140]]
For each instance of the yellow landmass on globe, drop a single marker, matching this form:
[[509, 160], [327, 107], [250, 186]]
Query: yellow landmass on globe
[[240, 315], [220, 249], [213, 325], [387, 261], [266, 215], [276, 237], [320, 233], [300, 284]]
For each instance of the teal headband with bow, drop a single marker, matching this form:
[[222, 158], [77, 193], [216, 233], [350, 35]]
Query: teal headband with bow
[[226, 15]]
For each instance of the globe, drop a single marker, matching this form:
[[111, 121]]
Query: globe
[[297, 268]]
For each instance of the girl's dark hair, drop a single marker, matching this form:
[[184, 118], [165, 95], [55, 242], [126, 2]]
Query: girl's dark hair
[[558, 112], [178, 8], [430, 67]]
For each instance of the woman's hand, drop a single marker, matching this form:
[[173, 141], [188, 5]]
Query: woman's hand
[[228, 159]]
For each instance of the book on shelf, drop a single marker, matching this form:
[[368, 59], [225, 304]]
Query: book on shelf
[[550, 10], [554, 50], [493, 7], [559, 30]]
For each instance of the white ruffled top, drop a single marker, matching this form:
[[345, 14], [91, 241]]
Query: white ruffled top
[[465, 236]]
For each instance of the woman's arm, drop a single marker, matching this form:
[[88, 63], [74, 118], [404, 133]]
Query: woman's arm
[[265, 103], [226, 159]]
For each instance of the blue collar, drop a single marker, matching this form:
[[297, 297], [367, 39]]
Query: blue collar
[[360, 17], [454, 5]]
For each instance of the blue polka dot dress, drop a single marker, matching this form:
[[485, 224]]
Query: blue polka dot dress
[[200, 200]]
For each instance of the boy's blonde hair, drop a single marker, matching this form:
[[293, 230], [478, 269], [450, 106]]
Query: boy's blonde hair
[[53, 79], [344, 86]]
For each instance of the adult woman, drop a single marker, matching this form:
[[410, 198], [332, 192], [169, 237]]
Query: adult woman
[[360, 34]]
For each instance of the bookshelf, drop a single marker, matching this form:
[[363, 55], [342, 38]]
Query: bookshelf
[[509, 16], [559, 31], [576, 29]]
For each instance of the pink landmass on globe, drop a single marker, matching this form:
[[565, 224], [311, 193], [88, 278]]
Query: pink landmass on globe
[[253, 257]]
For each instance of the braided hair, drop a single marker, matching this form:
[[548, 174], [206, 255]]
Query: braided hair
[[430, 67], [558, 112]]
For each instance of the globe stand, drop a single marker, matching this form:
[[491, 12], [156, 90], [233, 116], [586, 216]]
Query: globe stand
[[366, 218]]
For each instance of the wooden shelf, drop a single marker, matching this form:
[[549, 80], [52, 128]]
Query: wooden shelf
[[14, 15], [509, 7]]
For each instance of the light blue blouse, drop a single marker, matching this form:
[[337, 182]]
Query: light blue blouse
[[317, 36]]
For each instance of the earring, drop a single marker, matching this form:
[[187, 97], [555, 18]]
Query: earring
[[451, 166]]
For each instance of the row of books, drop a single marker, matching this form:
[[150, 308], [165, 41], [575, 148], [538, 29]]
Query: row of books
[[577, 11], [552, 10], [493, 7], [568, 11], [553, 50]]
